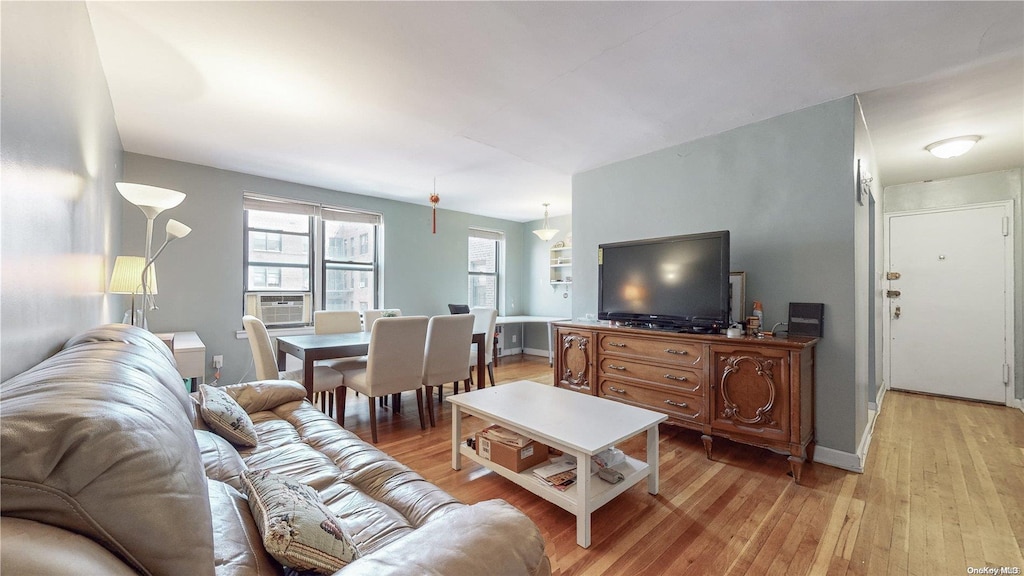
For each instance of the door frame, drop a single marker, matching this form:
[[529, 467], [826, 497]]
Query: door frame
[[1008, 289]]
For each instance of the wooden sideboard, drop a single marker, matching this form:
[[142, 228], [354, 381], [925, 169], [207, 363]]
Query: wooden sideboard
[[757, 391]]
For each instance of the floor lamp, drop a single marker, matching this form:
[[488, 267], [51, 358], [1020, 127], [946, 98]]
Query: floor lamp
[[126, 279], [174, 230], [152, 201]]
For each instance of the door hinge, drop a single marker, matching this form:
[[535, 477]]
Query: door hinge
[[892, 275], [892, 293], [1006, 374], [1006, 225]]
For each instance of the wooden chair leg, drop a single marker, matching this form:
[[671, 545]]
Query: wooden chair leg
[[430, 404], [419, 408], [339, 404], [331, 401], [490, 372], [396, 403], [468, 382], [373, 419]]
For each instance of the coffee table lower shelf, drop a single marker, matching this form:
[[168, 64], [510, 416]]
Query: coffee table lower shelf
[[601, 492]]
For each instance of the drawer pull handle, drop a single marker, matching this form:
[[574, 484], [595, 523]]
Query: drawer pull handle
[[677, 352], [616, 367], [676, 378], [618, 390], [616, 344], [679, 404]]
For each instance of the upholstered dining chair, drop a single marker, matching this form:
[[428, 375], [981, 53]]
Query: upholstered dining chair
[[336, 321], [458, 308], [394, 364], [444, 358], [484, 320], [325, 380], [371, 316]]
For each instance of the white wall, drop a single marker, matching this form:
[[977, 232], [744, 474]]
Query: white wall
[[785, 189], [543, 299], [61, 154]]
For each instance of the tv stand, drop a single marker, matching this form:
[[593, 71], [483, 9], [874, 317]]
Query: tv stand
[[757, 391]]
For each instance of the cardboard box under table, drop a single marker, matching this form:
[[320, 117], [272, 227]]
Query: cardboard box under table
[[514, 458]]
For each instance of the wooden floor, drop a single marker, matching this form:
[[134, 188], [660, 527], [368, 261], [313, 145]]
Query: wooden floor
[[943, 490]]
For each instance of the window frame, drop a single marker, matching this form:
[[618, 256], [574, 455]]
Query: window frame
[[498, 238], [318, 263]]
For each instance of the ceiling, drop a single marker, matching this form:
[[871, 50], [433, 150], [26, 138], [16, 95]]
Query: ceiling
[[500, 103]]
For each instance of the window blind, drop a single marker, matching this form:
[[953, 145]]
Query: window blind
[[486, 234]]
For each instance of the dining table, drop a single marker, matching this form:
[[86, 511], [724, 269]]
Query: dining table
[[312, 347]]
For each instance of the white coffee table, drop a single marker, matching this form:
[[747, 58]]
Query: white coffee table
[[575, 423]]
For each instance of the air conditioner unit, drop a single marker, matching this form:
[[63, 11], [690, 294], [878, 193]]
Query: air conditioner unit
[[280, 308]]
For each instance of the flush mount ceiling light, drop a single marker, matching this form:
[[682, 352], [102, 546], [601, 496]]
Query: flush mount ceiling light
[[545, 233], [952, 147]]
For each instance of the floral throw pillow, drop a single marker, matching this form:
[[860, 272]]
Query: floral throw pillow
[[225, 416], [297, 529]]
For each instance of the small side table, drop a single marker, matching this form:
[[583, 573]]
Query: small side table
[[189, 354]]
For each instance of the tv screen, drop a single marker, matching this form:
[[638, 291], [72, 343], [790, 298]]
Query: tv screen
[[678, 283]]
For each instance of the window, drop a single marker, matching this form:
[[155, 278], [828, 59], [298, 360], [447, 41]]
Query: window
[[349, 278], [297, 247], [484, 248]]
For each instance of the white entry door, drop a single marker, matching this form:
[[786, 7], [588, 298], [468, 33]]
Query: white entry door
[[950, 323]]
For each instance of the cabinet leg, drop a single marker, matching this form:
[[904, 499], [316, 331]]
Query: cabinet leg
[[796, 465], [810, 451], [707, 445]]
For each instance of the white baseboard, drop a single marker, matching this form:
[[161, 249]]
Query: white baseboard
[[838, 459], [510, 352], [536, 352]]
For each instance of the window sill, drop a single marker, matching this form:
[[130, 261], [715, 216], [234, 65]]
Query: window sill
[[300, 331]]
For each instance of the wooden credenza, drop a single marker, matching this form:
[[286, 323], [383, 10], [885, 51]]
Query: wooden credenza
[[757, 391]]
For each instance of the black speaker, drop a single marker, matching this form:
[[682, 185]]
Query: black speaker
[[806, 319]]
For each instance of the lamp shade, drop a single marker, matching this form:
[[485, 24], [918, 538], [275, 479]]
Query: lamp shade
[[176, 230], [150, 199], [127, 276]]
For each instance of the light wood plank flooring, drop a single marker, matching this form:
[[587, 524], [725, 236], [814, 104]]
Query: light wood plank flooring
[[943, 490]]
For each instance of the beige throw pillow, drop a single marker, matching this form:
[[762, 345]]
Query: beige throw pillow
[[225, 416], [297, 529]]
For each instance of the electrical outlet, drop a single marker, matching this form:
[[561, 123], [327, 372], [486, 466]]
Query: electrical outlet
[[514, 336], [218, 361]]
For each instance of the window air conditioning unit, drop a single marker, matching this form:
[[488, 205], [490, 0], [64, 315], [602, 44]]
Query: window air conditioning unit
[[280, 308]]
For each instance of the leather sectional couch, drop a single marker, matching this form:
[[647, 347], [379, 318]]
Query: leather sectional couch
[[107, 468]]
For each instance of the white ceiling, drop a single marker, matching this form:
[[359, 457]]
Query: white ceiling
[[502, 102]]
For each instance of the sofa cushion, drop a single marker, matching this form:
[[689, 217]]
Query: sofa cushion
[[297, 529], [225, 416], [107, 451], [220, 459], [238, 549]]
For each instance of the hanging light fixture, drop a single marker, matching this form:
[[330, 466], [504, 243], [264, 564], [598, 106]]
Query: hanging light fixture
[[434, 199], [546, 233], [952, 147]]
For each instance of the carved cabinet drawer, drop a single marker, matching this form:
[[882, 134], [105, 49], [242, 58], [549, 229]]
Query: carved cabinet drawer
[[681, 379], [653, 349], [751, 393], [677, 405]]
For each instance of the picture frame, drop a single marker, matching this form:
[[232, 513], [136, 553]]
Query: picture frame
[[737, 296]]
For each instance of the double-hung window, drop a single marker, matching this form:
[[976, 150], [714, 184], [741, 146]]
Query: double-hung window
[[484, 267], [299, 257]]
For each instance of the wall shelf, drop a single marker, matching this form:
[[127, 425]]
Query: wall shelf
[[560, 266]]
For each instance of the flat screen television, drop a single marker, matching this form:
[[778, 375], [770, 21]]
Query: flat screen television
[[678, 283]]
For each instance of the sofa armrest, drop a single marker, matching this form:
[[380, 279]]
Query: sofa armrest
[[490, 537], [29, 547], [261, 395]]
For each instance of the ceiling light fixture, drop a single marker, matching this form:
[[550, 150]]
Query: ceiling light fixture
[[546, 233], [952, 147]]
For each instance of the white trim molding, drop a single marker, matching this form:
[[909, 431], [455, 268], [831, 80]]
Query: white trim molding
[[838, 459]]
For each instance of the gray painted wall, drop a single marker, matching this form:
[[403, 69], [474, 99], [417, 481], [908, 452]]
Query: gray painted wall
[[543, 299], [976, 189], [200, 276], [784, 187], [59, 209]]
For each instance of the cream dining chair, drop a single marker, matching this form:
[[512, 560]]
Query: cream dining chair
[[325, 380], [394, 365], [445, 355], [371, 316], [484, 320]]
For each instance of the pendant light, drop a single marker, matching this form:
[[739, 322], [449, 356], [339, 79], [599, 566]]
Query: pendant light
[[546, 233]]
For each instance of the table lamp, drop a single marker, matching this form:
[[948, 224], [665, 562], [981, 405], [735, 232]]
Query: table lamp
[[127, 279]]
